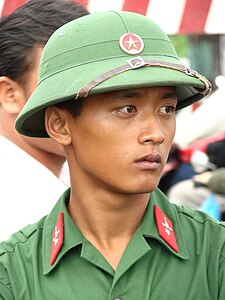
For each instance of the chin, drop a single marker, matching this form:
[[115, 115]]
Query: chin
[[147, 190], [147, 185], [143, 188]]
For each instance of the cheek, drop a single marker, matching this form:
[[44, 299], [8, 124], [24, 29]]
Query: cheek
[[169, 132], [97, 141], [168, 127], [173, 130], [101, 157]]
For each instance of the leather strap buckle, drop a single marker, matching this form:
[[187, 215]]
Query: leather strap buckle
[[136, 62]]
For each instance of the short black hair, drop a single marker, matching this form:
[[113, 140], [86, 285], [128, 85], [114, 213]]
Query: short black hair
[[73, 106], [29, 27]]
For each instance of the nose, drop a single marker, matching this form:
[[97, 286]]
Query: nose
[[151, 132]]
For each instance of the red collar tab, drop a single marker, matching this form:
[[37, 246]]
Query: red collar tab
[[57, 238], [131, 43], [165, 228]]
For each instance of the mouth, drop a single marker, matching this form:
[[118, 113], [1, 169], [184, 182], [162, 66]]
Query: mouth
[[150, 161]]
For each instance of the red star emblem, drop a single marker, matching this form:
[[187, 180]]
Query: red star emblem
[[131, 43]]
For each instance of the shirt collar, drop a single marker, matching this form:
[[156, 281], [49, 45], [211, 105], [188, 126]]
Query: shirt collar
[[72, 236], [150, 229]]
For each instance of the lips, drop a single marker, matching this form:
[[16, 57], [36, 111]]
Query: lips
[[151, 158], [150, 161]]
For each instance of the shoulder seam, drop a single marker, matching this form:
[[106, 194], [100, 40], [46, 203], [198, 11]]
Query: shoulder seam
[[198, 215], [26, 237]]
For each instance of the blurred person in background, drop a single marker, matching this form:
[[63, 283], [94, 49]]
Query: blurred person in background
[[206, 120], [213, 180], [209, 164], [195, 127], [204, 123], [33, 172]]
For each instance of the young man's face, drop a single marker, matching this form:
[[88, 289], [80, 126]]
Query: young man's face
[[122, 139]]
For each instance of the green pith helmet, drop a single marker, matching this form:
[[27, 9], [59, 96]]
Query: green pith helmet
[[103, 52]]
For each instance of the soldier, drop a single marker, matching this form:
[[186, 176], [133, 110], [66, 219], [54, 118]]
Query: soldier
[[109, 85]]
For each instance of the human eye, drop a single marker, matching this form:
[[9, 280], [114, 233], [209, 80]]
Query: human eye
[[127, 109], [168, 109]]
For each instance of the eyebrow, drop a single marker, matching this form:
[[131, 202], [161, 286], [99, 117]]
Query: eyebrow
[[122, 95], [125, 93], [169, 95]]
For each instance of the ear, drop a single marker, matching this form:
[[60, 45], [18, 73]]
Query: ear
[[56, 124], [12, 97]]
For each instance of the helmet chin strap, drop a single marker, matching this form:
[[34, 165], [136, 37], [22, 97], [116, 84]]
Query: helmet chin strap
[[138, 62]]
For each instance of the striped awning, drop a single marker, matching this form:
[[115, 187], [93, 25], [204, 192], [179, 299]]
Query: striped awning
[[173, 16]]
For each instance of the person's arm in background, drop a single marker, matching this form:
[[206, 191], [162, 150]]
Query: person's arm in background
[[214, 180]]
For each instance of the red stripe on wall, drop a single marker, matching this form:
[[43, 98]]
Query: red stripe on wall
[[10, 5], [194, 17], [136, 6], [82, 2]]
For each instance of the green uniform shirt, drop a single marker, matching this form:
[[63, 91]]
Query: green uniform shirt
[[149, 267]]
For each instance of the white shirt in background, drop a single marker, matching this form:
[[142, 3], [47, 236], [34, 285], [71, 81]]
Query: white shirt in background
[[28, 190]]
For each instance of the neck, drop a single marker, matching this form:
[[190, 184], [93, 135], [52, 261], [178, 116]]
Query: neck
[[108, 221], [50, 160]]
